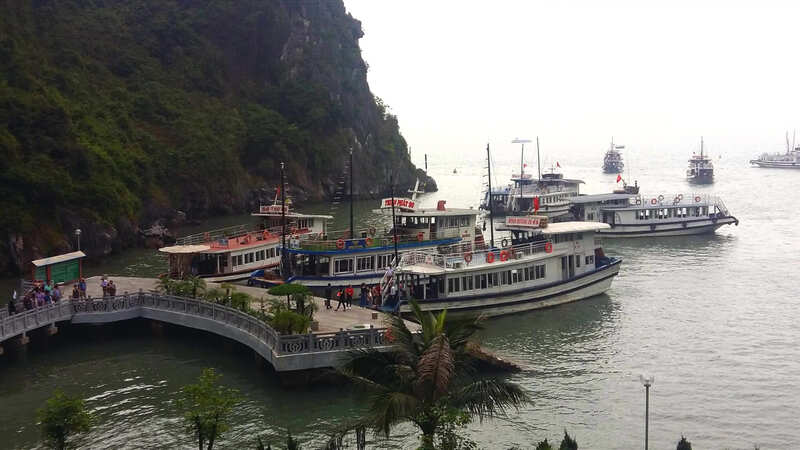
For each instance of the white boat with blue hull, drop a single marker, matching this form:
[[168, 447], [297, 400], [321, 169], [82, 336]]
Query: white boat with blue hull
[[339, 260], [631, 215], [544, 265]]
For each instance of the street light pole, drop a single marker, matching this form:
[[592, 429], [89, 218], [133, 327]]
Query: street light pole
[[647, 382], [78, 235]]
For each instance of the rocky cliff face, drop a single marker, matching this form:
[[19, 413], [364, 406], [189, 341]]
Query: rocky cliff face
[[118, 114]]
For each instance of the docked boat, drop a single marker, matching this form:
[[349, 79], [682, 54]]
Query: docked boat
[[233, 253], [548, 196], [701, 169], [612, 162], [636, 215], [543, 265], [788, 160], [339, 259]]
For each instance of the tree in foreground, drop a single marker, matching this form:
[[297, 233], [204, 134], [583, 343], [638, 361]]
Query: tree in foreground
[[61, 417], [429, 378], [568, 443], [206, 408]]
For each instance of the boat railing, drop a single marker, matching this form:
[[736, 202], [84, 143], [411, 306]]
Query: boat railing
[[326, 243], [214, 235], [457, 256], [682, 200]]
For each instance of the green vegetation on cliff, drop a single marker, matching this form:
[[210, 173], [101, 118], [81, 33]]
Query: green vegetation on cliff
[[115, 112]]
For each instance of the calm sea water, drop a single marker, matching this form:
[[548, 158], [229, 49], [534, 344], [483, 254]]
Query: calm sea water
[[714, 318]]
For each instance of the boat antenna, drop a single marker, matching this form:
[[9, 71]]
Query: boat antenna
[[538, 160], [787, 141], [426, 163], [521, 162], [491, 207], [394, 221], [701, 147], [352, 236], [283, 220], [793, 132]]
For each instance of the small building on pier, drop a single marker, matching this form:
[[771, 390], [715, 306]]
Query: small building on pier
[[59, 269]]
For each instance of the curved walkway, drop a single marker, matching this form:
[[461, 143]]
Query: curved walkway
[[292, 352]]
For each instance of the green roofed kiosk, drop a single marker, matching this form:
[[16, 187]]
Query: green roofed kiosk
[[59, 269]]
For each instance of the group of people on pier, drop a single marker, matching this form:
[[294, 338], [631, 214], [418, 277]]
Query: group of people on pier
[[370, 296], [40, 294]]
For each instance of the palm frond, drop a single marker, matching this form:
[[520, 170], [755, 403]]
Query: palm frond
[[435, 368], [489, 397], [387, 409]]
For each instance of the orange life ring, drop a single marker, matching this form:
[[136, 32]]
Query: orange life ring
[[697, 199], [653, 201], [388, 335], [420, 236], [340, 244], [504, 255], [468, 257], [369, 241], [548, 247], [490, 257]]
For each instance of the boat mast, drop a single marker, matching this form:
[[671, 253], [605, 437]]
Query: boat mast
[[426, 163], [352, 236], [701, 147], [491, 207], [538, 160], [394, 221], [283, 221]]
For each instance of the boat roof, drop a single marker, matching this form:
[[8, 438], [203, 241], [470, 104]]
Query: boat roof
[[574, 227], [592, 198], [429, 212], [58, 259], [423, 269], [184, 249], [292, 215]]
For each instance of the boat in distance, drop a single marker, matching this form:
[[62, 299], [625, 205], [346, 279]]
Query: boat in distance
[[701, 169], [612, 161], [637, 215], [788, 160], [543, 265]]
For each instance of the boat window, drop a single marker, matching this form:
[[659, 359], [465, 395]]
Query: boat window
[[527, 273], [577, 260], [464, 283], [365, 263], [503, 277], [483, 281], [514, 276], [450, 285], [384, 260], [343, 265], [469, 281], [493, 279], [477, 281], [590, 259]]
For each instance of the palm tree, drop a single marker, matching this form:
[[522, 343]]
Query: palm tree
[[428, 377]]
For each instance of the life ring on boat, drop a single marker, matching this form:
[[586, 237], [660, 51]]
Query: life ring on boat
[[468, 257], [490, 257], [638, 201], [369, 242], [387, 335], [653, 201], [265, 234], [372, 231], [504, 255], [697, 199], [420, 236], [340, 244], [504, 243], [679, 197], [661, 198], [548, 247]]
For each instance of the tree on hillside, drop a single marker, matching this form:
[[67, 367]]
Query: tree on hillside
[[683, 444], [206, 406], [61, 417], [428, 378]]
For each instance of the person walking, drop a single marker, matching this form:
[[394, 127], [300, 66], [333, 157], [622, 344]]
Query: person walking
[[342, 300], [328, 295], [362, 300], [12, 308], [82, 287], [349, 295], [76, 293]]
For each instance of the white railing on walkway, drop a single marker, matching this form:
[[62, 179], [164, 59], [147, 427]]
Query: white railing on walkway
[[279, 344]]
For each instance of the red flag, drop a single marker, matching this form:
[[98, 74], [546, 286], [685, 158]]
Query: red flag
[[525, 165], [557, 164], [278, 192], [535, 204], [619, 178]]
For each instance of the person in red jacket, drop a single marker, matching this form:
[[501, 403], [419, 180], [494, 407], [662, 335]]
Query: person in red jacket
[[349, 292]]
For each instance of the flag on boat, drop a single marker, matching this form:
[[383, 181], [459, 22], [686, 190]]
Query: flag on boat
[[557, 164], [525, 165], [535, 204], [619, 178]]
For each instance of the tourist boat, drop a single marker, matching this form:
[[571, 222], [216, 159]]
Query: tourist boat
[[788, 160], [701, 169], [341, 258], [636, 215], [233, 253], [543, 265], [612, 162], [548, 196]]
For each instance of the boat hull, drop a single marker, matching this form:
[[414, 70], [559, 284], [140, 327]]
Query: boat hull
[[684, 228], [776, 164], [498, 304]]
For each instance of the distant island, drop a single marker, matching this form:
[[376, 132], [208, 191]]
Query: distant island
[[115, 116]]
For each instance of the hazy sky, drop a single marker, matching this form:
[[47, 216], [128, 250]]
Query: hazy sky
[[577, 72]]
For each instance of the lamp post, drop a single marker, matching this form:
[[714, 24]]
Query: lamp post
[[647, 382], [78, 235]]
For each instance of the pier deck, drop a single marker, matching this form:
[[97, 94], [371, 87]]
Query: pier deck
[[329, 320]]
